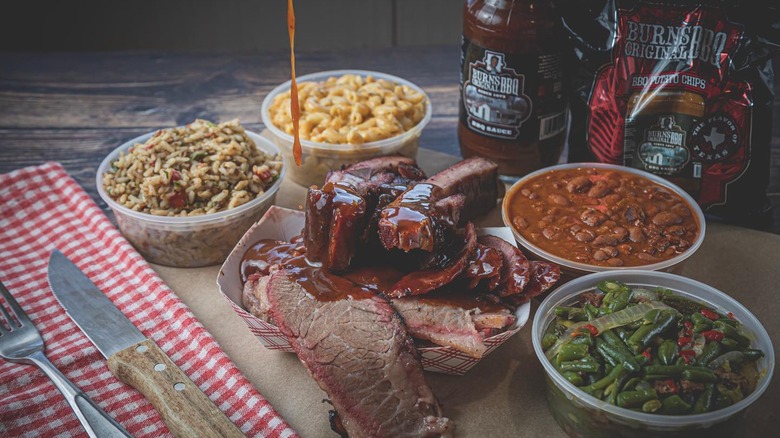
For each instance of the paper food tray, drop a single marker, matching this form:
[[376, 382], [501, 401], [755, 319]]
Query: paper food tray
[[283, 224]]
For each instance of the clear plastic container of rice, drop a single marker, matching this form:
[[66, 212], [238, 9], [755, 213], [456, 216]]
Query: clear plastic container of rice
[[184, 196]]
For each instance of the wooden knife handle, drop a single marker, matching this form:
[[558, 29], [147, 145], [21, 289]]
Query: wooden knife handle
[[186, 410]]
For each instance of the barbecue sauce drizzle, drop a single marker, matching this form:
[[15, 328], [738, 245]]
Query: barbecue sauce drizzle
[[361, 283], [295, 109]]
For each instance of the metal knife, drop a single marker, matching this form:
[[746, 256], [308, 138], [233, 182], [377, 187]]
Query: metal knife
[[135, 359]]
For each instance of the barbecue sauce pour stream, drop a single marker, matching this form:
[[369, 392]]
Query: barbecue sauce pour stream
[[295, 109]]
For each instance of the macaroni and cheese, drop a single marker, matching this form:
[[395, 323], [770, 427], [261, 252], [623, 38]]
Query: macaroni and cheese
[[350, 109]]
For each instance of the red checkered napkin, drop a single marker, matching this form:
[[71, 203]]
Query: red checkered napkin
[[42, 208]]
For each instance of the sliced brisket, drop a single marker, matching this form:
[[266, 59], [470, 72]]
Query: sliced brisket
[[476, 179], [420, 282], [360, 353], [515, 269]]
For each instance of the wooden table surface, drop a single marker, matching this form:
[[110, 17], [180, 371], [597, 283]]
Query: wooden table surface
[[76, 107]]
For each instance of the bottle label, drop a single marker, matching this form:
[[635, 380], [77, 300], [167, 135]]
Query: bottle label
[[496, 91], [658, 143]]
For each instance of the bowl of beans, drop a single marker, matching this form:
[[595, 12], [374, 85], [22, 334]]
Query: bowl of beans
[[184, 196], [639, 353], [591, 217], [346, 116]]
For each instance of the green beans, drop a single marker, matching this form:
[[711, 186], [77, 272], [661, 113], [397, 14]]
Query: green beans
[[667, 352], [583, 338], [613, 375], [706, 400], [752, 354], [698, 375], [729, 344], [665, 370], [700, 322], [676, 359], [610, 346], [617, 296], [574, 378], [732, 333], [587, 364], [633, 399], [652, 406], [711, 351], [674, 405], [644, 334], [549, 340], [576, 314], [571, 352]]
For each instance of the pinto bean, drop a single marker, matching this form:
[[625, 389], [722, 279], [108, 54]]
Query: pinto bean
[[681, 210], [625, 249], [559, 200], [579, 184], [666, 218], [584, 236], [600, 255], [636, 235], [612, 199], [620, 233], [645, 257], [605, 239], [675, 230], [580, 257], [599, 190], [610, 251], [520, 222], [652, 210], [593, 217], [614, 261], [550, 233], [575, 228]]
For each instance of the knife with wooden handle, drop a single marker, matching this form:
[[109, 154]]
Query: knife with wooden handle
[[135, 359]]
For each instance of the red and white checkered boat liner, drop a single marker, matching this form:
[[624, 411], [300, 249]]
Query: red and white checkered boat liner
[[42, 209]]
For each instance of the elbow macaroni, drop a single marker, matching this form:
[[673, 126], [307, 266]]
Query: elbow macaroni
[[350, 109]]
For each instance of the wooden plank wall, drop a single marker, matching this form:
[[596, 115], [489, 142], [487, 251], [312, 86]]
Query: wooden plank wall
[[224, 25]]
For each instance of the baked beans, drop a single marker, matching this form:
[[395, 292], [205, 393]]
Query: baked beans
[[602, 217]]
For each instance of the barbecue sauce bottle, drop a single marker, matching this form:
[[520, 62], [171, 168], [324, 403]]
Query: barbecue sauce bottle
[[512, 104]]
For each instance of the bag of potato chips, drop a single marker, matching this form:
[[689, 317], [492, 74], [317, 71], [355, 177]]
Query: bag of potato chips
[[681, 89]]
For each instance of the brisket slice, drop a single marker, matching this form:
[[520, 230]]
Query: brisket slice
[[360, 353], [446, 323], [543, 276], [475, 178], [485, 264], [421, 282], [515, 269]]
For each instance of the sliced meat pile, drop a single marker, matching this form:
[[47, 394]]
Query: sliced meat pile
[[359, 352], [388, 255]]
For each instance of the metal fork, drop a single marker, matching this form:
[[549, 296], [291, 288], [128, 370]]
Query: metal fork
[[21, 342]]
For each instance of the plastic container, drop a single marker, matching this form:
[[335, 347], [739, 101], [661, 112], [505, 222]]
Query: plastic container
[[580, 414], [319, 158], [571, 269], [191, 241]]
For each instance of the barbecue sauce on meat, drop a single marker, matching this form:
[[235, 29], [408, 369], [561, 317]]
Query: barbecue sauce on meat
[[412, 206], [360, 283], [318, 282], [338, 212], [268, 252]]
